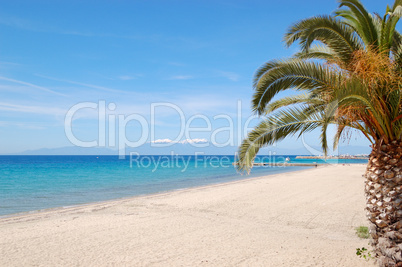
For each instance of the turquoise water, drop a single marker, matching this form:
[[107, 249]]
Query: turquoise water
[[29, 183]]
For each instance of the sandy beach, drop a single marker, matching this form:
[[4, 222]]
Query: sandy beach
[[304, 218]]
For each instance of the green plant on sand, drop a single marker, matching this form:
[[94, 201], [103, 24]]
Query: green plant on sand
[[363, 253], [362, 232], [347, 73]]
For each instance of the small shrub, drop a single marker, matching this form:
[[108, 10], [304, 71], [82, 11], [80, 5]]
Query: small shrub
[[362, 232], [363, 253]]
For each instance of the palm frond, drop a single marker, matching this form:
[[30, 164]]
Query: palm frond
[[337, 36], [307, 99], [275, 128], [318, 52], [290, 74], [366, 29]]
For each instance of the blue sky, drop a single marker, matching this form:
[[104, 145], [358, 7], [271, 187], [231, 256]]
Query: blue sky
[[199, 56]]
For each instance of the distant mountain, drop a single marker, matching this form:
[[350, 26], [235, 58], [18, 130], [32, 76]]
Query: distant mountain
[[190, 149]]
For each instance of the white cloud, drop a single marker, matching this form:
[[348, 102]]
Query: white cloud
[[129, 77], [194, 141], [31, 109], [229, 75], [181, 77], [162, 141], [24, 125], [177, 64], [186, 141], [31, 85], [6, 64], [126, 77], [83, 84]]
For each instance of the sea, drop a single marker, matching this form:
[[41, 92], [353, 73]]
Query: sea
[[34, 183]]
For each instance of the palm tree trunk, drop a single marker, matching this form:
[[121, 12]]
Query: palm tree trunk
[[384, 202]]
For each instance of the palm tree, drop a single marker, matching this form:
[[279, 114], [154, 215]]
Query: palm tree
[[348, 73]]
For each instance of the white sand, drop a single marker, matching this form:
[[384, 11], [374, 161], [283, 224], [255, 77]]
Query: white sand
[[302, 218]]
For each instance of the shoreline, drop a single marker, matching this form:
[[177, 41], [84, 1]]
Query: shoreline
[[301, 218], [32, 212]]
